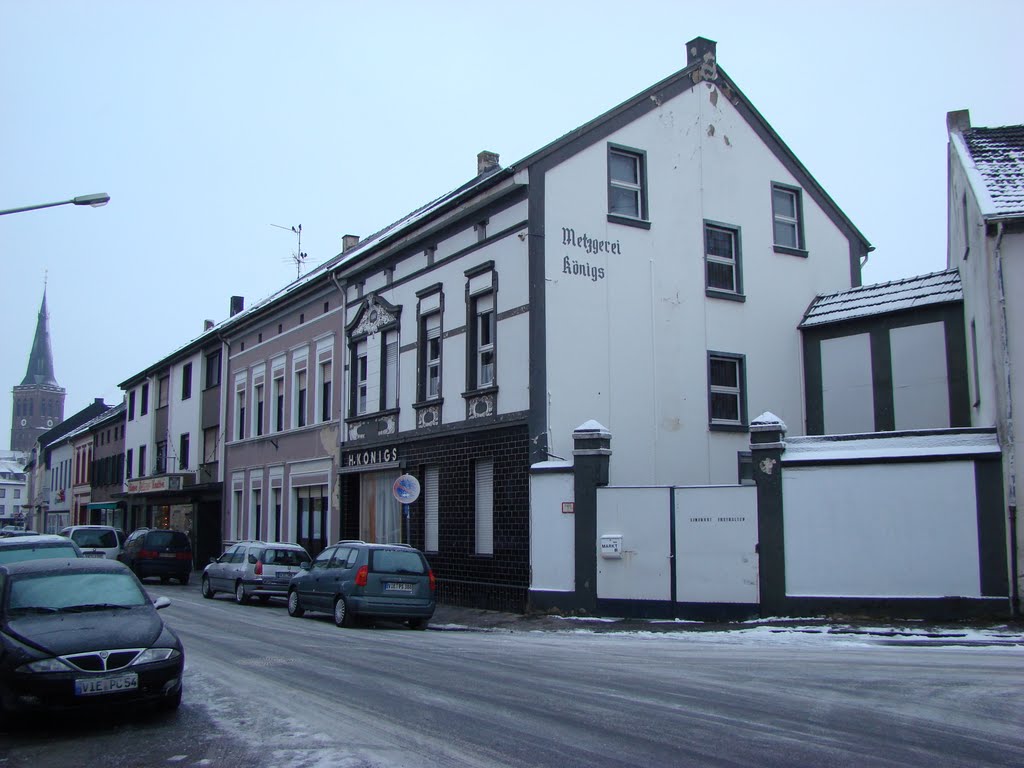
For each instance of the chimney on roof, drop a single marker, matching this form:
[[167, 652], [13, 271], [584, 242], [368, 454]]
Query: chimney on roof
[[348, 242], [958, 121], [207, 325], [697, 49], [237, 305], [486, 161]]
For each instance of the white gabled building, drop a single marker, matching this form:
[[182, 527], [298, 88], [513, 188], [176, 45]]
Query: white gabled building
[[647, 271], [986, 244]]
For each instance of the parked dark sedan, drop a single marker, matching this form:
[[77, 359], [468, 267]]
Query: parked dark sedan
[[37, 547], [83, 633]]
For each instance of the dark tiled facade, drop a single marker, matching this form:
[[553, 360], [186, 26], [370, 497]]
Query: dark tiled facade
[[499, 581]]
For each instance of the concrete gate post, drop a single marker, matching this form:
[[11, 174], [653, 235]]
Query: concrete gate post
[[591, 457], [767, 433]]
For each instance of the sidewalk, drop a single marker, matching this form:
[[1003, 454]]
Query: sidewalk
[[903, 632]]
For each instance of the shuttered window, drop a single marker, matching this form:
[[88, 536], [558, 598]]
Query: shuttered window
[[390, 370], [430, 522], [485, 507]]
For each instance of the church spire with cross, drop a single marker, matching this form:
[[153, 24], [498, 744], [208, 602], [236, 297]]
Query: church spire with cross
[[39, 399]]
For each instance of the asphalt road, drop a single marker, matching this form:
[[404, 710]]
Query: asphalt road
[[264, 689]]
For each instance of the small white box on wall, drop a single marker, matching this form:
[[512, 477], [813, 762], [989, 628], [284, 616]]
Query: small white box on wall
[[611, 546]]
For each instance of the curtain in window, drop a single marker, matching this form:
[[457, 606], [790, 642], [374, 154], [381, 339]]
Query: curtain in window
[[380, 517]]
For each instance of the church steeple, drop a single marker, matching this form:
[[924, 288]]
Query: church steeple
[[40, 361], [39, 400]]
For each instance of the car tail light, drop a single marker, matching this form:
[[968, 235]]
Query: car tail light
[[361, 576], [258, 570], [433, 581], [148, 554]]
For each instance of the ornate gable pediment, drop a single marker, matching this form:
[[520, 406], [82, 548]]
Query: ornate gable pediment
[[374, 315]]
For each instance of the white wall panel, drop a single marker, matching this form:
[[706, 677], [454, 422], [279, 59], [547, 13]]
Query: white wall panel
[[847, 391], [920, 384], [716, 537], [641, 516], [552, 532], [895, 530]]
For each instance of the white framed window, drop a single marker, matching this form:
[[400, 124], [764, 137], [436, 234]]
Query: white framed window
[[277, 395], [324, 379], [430, 354], [722, 258], [299, 400], [627, 196], [257, 409], [483, 341], [360, 378], [240, 409], [484, 506], [787, 217], [256, 514], [726, 397], [430, 509], [389, 359]]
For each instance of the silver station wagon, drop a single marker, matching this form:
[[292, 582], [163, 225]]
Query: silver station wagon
[[258, 569]]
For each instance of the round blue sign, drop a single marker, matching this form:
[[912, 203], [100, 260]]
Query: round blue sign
[[406, 489]]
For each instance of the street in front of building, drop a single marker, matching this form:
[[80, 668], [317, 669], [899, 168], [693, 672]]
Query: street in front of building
[[264, 689]]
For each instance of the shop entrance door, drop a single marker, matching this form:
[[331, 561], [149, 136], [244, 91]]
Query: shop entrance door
[[380, 514]]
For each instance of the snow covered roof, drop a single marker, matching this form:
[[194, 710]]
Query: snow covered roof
[[994, 162], [890, 445], [885, 298]]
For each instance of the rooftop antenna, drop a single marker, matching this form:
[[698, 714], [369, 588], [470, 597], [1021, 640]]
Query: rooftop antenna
[[298, 256]]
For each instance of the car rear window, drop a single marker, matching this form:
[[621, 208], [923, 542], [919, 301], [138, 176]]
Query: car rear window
[[175, 539], [89, 537], [35, 552], [284, 557], [396, 561]]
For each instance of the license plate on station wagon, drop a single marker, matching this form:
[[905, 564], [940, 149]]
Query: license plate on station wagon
[[97, 685], [398, 586]]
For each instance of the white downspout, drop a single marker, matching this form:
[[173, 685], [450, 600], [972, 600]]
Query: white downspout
[[1011, 458]]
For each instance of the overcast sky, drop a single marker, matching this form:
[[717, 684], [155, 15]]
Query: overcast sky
[[209, 122]]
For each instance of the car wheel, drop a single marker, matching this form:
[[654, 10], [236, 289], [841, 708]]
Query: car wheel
[[208, 592], [342, 617], [172, 703], [418, 623], [294, 609], [240, 597]]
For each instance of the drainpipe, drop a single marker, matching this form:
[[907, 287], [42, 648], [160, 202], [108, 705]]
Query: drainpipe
[[1011, 458]]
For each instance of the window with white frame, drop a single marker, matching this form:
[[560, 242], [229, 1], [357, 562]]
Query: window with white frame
[[483, 342], [430, 355], [257, 409], [324, 377], [389, 360], [360, 377], [300, 398], [726, 397], [484, 506], [277, 393], [787, 216], [430, 509], [240, 409], [722, 259], [626, 183]]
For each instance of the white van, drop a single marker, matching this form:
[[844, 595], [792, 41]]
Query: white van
[[96, 540]]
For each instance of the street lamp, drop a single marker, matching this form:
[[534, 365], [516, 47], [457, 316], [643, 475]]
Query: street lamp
[[96, 200]]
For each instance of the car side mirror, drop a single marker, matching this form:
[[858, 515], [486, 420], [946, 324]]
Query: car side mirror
[[214, 559], [305, 565], [161, 602]]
